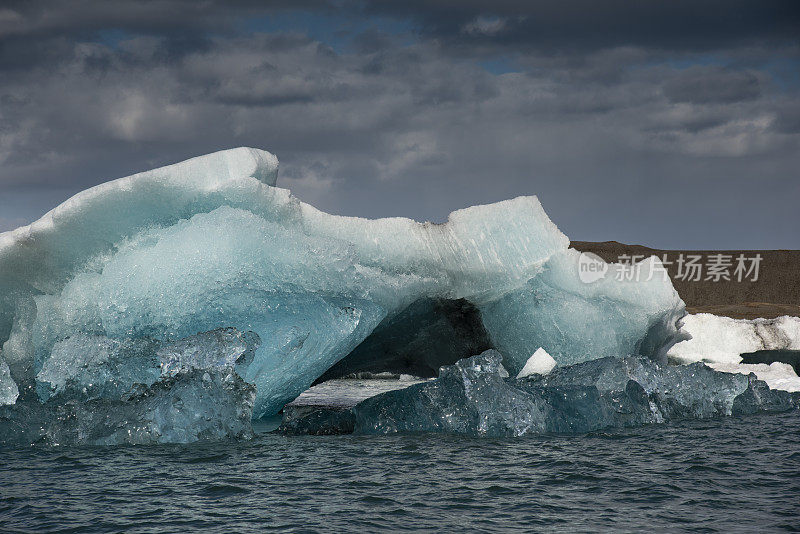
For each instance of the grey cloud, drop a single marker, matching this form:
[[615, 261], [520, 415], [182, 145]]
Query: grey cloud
[[488, 26], [700, 123], [704, 85], [787, 120]]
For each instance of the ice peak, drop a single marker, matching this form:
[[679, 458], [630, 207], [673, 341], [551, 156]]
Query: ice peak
[[220, 166], [250, 162]]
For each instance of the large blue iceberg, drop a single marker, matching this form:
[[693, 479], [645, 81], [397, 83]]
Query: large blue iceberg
[[138, 264]]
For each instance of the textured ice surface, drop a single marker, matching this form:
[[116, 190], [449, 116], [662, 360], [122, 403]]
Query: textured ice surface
[[472, 397], [576, 321], [223, 349], [101, 391], [87, 367], [540, 363], [8, 388], [187, 407], [210, 243]]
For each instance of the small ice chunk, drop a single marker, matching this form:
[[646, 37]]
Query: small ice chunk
[[540, 363], [89, 366], [219, 349]]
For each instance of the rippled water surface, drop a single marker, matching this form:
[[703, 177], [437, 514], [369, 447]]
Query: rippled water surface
[[733, 475]]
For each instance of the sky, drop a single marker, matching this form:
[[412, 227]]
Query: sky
[[672, 124]]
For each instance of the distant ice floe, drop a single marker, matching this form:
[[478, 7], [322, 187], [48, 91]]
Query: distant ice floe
[[720, 341]]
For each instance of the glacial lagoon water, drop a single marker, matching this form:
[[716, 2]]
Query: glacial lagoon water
[[737, 474]]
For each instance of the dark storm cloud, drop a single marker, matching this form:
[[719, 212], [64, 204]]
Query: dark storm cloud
[[672, 24], [639, 135]]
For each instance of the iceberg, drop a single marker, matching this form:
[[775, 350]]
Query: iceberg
[[474, 397], [91, 292]]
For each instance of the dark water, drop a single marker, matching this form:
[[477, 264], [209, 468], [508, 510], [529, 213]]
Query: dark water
[[731, 475]]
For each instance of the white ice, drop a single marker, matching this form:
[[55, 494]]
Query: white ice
[[540, 363]]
